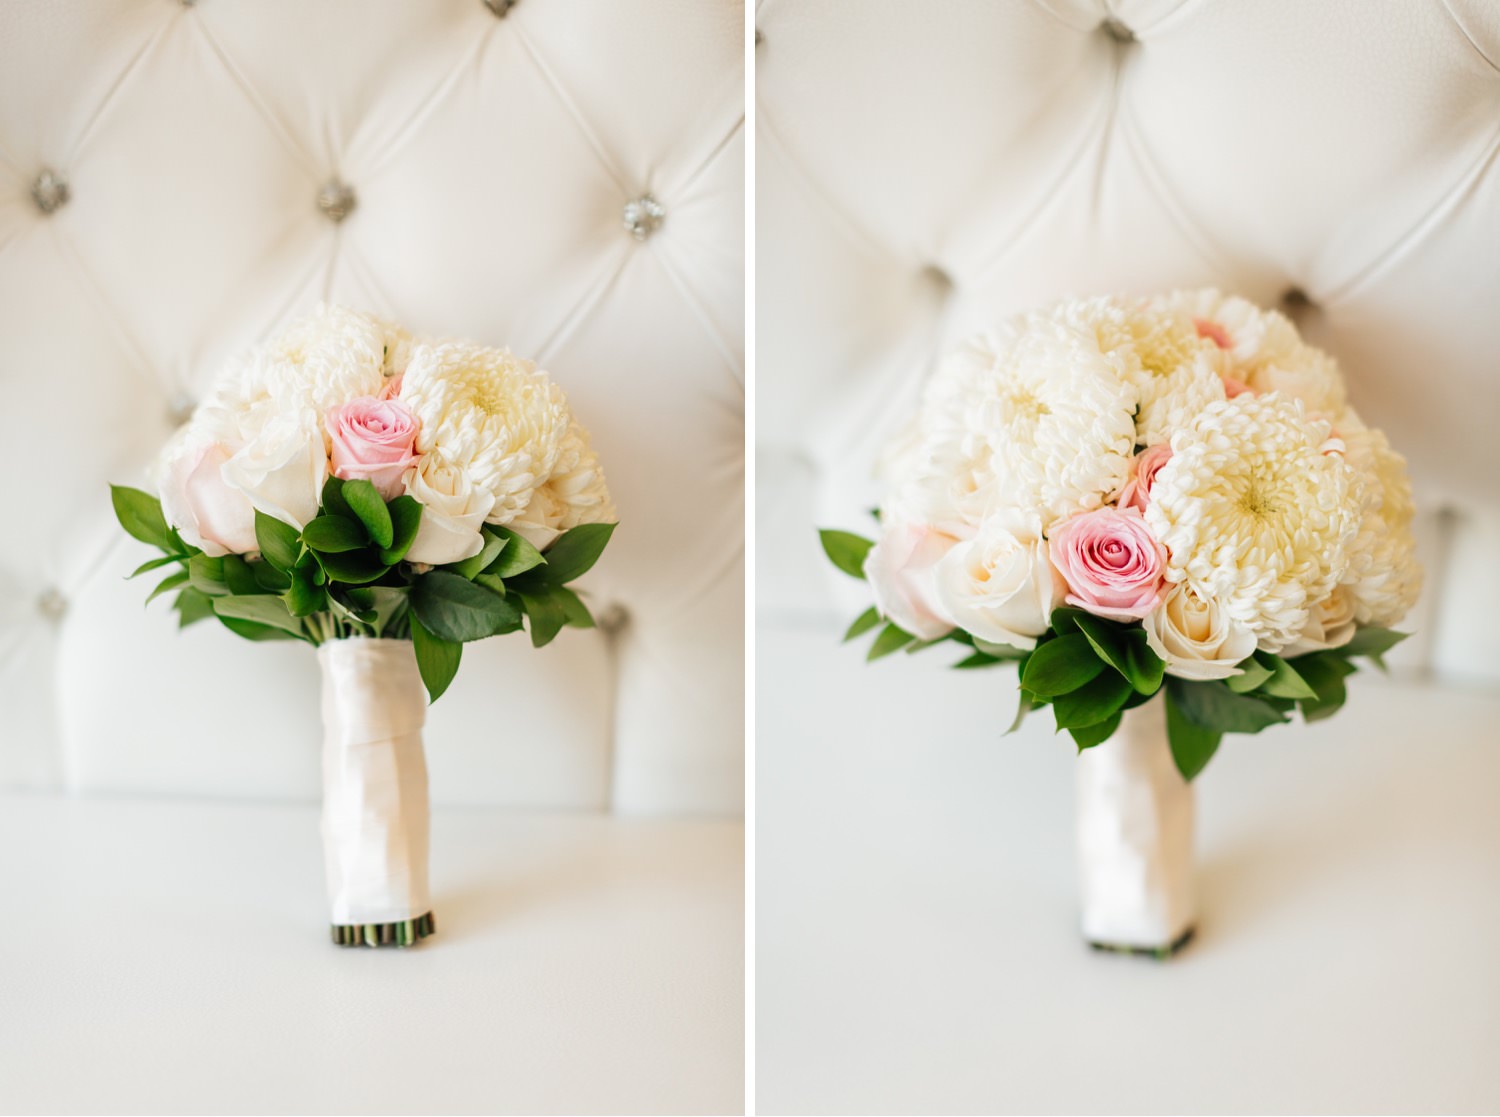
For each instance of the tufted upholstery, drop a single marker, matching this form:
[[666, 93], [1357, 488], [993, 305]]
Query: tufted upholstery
[[922, 171], [178, 178]]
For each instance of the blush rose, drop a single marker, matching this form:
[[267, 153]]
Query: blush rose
[[1111, 562], [374, 440], [1143, 470]]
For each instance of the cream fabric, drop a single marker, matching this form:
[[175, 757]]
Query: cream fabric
[[490, 160]]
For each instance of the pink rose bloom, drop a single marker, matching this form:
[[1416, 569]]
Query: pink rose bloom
[[206, 511], [1112, 563], [1143, 470], [392, 387], [902, 571], [1235, 387], [373, 440]]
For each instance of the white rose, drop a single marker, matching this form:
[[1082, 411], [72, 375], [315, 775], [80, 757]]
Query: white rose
[[1000, 585], [205, 511], [900, 569], [283, 467], [1330, 624], [1196, 636], [453, 511]]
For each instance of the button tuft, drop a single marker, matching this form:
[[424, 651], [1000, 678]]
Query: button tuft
[[336, 201], [611, 619], [501, 8], [49, 191], [52, 604], [643, 216], [1117, 31], [180, 408]]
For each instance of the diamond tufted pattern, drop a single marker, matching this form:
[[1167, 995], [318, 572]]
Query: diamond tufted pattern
[[922, 171], [176, 179]]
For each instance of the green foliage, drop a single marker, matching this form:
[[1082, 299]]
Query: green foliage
[[140, 514], [863, 623], [279, 542], [1060, 666], [846, 550], [262, 609], [574, 552], [170, 582], [1193, 745], [454, 608], [518, 556], [1086, 737], [437, 659], [471, 568], [545, 617], [1095, 701], [369, 508], [1214, 706], [406, 517], [891, 639], [332, 534]]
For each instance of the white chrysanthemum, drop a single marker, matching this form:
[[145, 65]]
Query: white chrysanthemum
[[1255, 514], [492, 414], [1156, 349], [1307, 374], [325, 359], [1030, 417], [575, 494], [1383, 578]]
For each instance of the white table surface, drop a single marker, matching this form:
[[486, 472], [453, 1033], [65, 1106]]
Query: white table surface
[[917, 948], [173, 957]]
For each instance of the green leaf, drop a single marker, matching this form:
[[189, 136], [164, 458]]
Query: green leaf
[[891, 639], [437, 659], [153, 564], [369, 506], [994, 651], [1024, 706], [1253, 673], [140, 514], [490, 582], [518, 556], [302, 597], [269, 579], [334, 534], [170, 582], [1087, 736], [1107, 640], [259, 609], [351, 569], [546, 615], [1193, 746], [846, 550], [863, 623], [406, 517], [979, 659], [334, 503], [250, 630], [1065, 619], [207, 575], [1373, 641], [192, 605], [1061, 665], [471, 568], [575, 552], [238, 576], [1213, 705], [454, 608], [278, 542], [1143, 667], [1284, 681], [1099, 698], [576, 612], [1325, 673]]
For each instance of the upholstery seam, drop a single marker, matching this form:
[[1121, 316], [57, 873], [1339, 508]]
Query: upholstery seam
[[592, 296], [620, 179], [684, 290], [1464, 31], [90, 126]]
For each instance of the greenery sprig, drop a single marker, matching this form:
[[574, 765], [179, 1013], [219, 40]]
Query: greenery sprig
[[345, 574]]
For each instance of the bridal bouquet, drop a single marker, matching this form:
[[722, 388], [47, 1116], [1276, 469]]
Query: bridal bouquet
[[1126, 497], [387, 498]]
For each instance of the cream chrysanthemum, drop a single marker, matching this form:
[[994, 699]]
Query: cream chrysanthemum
[[575, 494], [324, 359], [1257, 509], [1174, 370], [1383, 577], [494, 415], [1251, 337], [1030, 417]]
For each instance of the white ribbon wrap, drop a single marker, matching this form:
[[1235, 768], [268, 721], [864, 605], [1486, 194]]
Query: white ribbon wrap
[[1135, 836], [375, 820]]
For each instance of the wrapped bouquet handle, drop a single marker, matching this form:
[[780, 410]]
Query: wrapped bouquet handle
[[386, 499], [375, 803]]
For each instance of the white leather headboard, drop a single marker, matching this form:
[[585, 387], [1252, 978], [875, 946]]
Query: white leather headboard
[[926, 169], [178, 178]]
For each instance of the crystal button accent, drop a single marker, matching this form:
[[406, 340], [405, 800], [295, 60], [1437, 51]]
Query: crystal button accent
[[611, 619], [52, 604], [501, 8], [643, 216], [1117, 30], [336, 201], [180, 408], [49, 191]]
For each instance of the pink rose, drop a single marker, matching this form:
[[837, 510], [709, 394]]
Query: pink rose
[[206, 511], [372, 440], [1235, 387], [1111, 562], [1143, 470], [902, 572], [1216, 333], [392, 387]]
